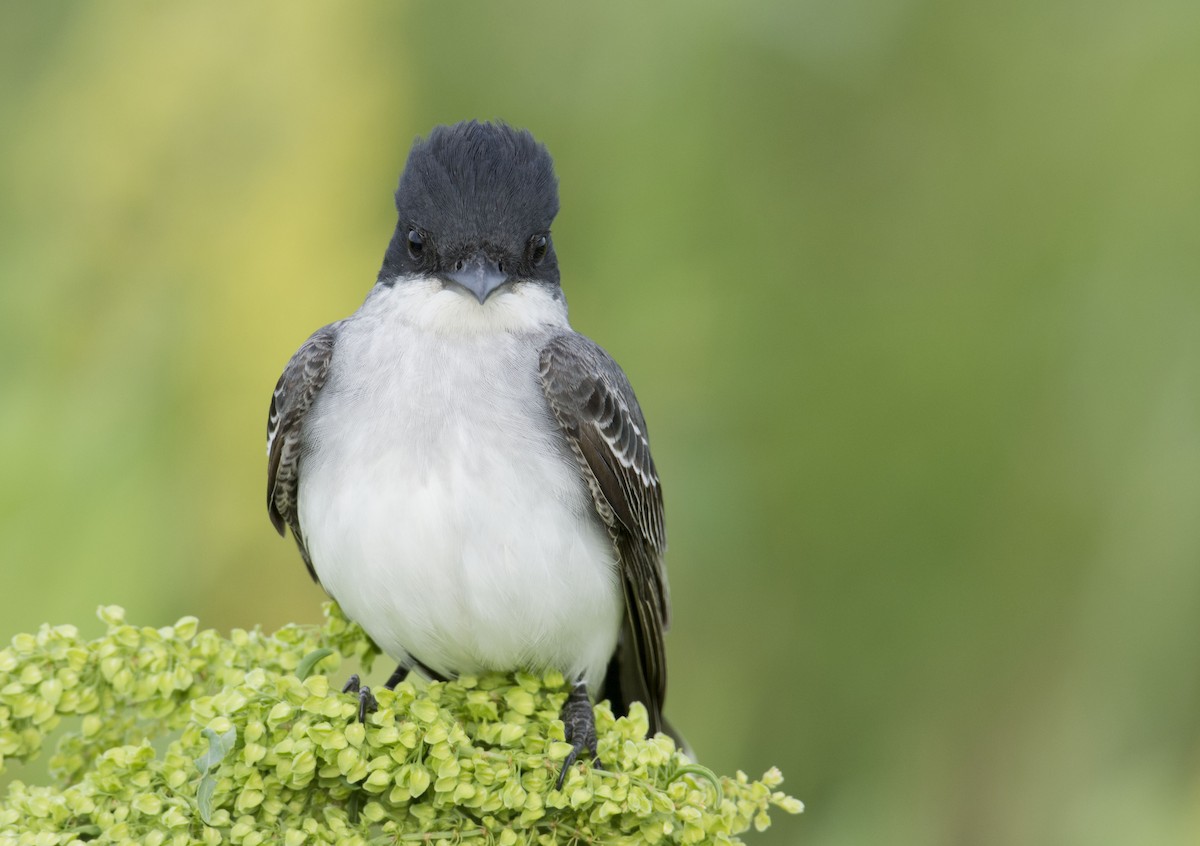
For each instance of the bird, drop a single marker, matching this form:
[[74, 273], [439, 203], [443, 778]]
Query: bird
[[467, 476]]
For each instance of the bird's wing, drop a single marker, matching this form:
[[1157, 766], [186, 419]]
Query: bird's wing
[[303, 377], [600, 417]]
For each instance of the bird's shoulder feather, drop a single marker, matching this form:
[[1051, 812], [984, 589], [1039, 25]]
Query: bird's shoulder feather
[[299, 384]]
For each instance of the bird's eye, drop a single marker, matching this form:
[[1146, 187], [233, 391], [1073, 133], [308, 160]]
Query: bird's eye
[[538, 245], [416, 243]]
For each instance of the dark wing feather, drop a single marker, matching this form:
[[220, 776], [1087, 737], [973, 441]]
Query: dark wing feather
[[303, 377], [599, 414]]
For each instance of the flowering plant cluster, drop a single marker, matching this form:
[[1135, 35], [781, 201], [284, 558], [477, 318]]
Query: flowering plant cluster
[[178, 735]]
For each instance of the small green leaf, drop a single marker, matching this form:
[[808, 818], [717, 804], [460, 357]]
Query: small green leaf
[[204, 797], [305, 667], [219, 745]]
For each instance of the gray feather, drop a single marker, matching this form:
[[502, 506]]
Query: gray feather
[[302, 379], [600, 417]]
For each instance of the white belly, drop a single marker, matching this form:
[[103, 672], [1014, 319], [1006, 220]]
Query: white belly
[[444, 517]]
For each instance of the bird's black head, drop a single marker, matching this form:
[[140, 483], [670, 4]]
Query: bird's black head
[[475, 205]]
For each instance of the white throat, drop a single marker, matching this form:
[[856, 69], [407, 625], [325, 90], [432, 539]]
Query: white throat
[[427, 304]]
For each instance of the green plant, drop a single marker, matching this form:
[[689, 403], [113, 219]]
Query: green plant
[[177, 735]]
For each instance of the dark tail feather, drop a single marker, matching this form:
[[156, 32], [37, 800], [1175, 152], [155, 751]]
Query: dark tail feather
[[624, 684]]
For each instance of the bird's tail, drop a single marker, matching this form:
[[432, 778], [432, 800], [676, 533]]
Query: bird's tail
[[624, 684]]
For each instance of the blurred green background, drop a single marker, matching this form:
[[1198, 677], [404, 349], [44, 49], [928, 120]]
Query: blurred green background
[[910, 292]]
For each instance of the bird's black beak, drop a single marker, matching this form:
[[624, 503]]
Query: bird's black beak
[[478, 274]]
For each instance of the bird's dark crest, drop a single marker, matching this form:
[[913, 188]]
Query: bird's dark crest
[[472, 183]]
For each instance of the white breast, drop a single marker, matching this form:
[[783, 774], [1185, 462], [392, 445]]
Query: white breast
[[440, 505]]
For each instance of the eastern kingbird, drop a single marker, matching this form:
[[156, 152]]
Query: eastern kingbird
[[464, 473]]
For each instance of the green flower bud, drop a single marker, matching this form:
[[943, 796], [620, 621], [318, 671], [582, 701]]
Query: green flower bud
[[148, 804], [424, 710], [520, 700]]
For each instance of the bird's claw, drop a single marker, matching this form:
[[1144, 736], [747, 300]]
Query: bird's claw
[[579, 725], [366, 700]]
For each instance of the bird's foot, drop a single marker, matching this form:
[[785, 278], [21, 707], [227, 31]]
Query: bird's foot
[[396, 677], [579, 724], [366, 699]]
